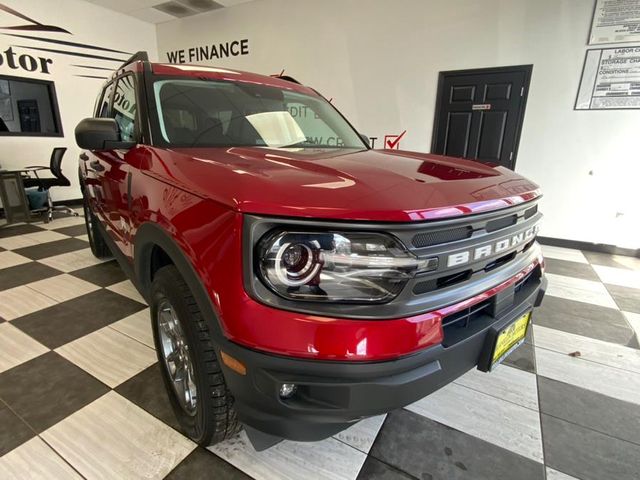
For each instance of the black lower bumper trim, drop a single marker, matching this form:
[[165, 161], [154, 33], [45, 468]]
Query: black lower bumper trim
[[331, 396]]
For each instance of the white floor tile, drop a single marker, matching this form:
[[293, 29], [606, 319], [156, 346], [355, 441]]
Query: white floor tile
[[17, 347], [18, 301], [136, 326], [556, 475], [494, 420], [598, 351], [609, 381], [63, 287], [35, 460], [634, 321], [618, 276], [362, 434], [579, 290], [505, 382], [560, 253], [68, 262], [11, 259], [84, 237], [327, 459], [30, 239], [113, 438], [127, 289], [108, 355], [62, 222]]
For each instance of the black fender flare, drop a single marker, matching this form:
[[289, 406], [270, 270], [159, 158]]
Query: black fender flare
[[147, 237]]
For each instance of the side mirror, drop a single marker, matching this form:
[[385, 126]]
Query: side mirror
[[100, 134], [365, 139]]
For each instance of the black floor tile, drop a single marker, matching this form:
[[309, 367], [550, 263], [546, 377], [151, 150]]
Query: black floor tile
[[72, 231], [628, 299], [103, 274], [18, 230], [428, 449], [203, 464], [25, 273], [146, 390], [571, 269], [617, 261], [608, 415], [47, 389], [585, 319], [50, 249], [374, 469], [523, 358], [67, 321], [14, 432], [587, 454], [2, 249]]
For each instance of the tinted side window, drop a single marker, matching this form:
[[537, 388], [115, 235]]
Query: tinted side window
[[104, 109], [125, 106]]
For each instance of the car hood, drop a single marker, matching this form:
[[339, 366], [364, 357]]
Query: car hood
[[373, 185]]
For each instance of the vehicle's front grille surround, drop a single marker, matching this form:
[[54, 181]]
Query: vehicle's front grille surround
[[484, 230]]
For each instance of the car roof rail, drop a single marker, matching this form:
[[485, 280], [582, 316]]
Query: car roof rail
[[282, 76], [138, 56]]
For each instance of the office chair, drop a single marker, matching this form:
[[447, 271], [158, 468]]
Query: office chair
[[58, 180]]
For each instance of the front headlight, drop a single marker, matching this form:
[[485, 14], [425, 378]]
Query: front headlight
[[337, 266]]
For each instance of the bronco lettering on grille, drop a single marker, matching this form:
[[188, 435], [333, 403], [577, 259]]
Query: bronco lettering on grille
[[466, 256]]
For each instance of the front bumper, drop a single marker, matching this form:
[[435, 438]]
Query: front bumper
[[333, 395]]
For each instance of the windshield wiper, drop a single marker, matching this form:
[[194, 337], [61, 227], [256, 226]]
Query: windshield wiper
[[296, 144]]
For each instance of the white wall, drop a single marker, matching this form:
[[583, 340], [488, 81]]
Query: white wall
[[89, 25], [380, 60]]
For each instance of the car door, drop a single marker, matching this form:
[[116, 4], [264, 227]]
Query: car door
[[93, 166], [119, 163]]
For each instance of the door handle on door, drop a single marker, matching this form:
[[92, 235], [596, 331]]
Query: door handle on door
[[96, 165], [84, 157]]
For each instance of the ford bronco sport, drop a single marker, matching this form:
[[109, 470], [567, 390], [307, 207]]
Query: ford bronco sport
[[298, 280]]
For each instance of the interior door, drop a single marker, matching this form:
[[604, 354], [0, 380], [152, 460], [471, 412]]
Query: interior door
[[479, 114]]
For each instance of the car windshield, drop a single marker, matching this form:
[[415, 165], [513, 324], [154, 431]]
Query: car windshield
[[207, 113]]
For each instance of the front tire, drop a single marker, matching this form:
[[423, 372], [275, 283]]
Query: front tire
[[193, 379], [98, 246]]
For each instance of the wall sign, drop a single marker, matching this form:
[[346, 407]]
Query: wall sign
[[50, 41], [610, 79], [392, 142], [615, 21], [214, 51]]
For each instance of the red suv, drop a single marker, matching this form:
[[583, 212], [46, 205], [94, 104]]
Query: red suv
[[298, 280]]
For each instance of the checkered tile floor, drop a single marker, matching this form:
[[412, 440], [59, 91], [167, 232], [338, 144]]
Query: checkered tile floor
[[81, 395]]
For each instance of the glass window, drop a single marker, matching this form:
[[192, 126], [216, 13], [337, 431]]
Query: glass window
[[102, 107], [124, 108], [28, 108], [196, 113]]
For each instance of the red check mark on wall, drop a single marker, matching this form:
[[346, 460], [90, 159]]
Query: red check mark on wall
[[391, 142]]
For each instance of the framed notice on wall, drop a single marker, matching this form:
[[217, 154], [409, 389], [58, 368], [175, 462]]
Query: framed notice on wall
[[610, 79], [615, 21]]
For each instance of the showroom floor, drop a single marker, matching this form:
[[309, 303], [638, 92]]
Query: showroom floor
[[81, 395]]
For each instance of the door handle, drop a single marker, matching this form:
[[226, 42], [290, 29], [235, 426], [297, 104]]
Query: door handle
[[84, 156], [96, 165]]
